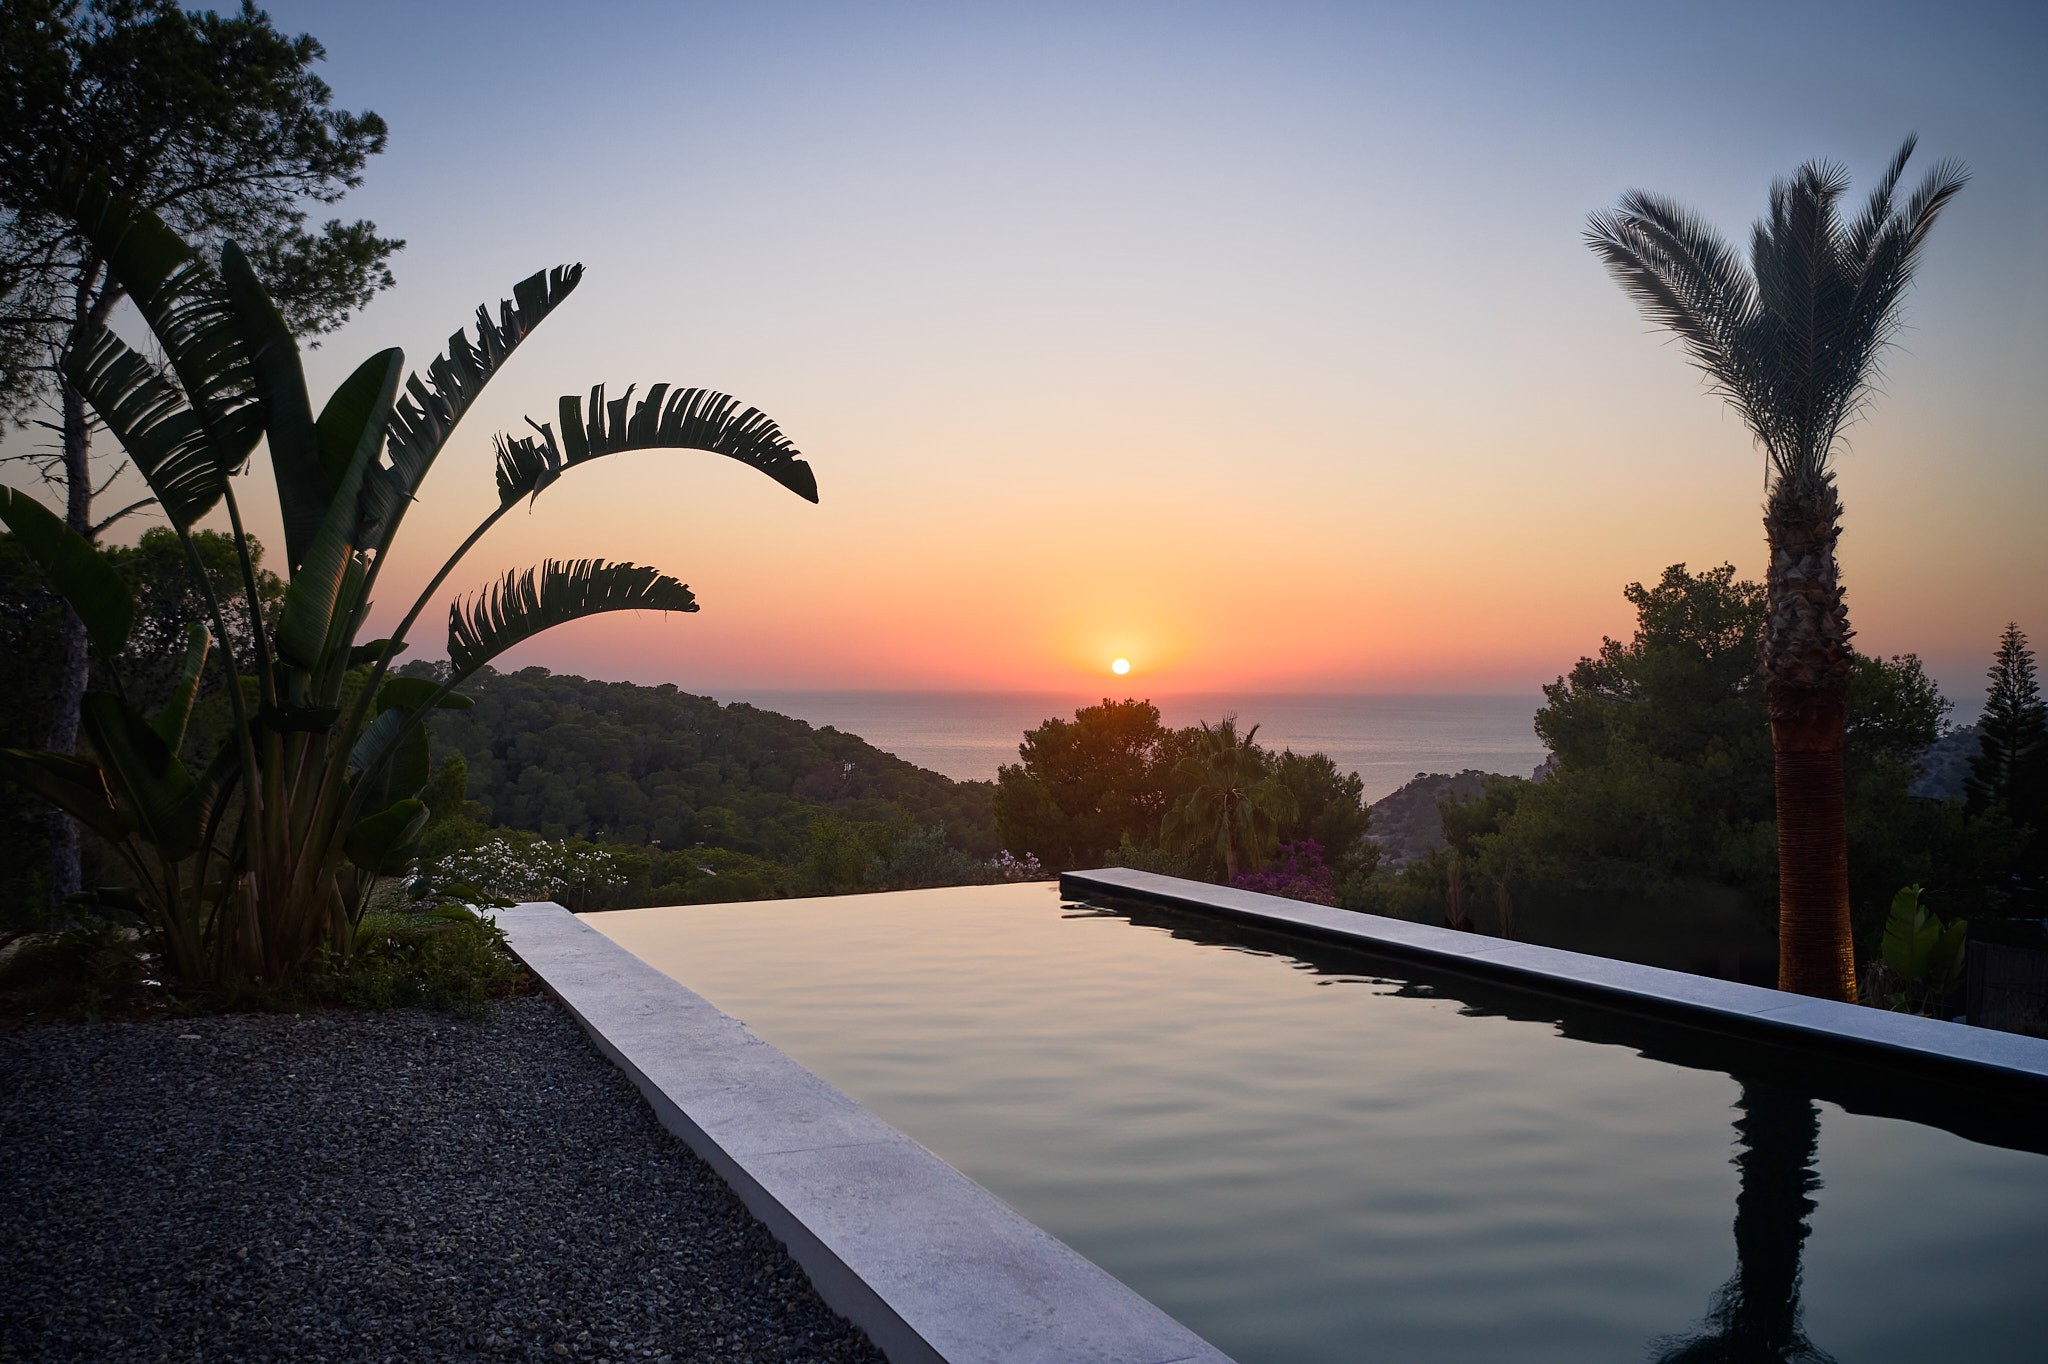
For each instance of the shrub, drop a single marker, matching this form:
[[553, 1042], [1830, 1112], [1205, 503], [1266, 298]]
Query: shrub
[[447, 959], [1298, 872]]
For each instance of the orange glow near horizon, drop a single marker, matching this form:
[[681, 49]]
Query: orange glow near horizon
[[1116, 338]]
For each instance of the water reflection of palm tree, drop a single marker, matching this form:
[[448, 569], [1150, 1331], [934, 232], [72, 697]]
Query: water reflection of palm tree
[[1754, 1318]]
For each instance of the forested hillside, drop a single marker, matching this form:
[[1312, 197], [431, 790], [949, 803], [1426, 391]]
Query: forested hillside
[[614, 762]]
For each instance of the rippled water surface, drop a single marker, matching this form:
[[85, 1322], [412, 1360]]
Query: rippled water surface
[[1305, 1158]]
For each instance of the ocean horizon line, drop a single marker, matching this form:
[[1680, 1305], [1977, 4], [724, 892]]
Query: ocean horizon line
[[1386, 737], [1112, 692]]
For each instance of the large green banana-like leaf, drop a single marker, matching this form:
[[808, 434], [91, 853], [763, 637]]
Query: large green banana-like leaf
[[170, 722], [424, 417], [181, 300], [383, 843], [356, 416], [144, 774], [73, 785], [391, 756], [81, 575], [374, 652], [523, 604], [304, 488], [153, 422], [666, 419], [317, 602]]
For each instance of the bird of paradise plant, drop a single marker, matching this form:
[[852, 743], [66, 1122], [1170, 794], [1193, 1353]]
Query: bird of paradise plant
[[261, 863]]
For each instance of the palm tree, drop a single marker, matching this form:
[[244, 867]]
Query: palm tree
[[1754, 1318], [1791, 340], [1235, 799]]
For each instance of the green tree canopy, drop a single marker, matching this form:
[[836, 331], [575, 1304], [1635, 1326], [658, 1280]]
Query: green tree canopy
[[214, 122], [1663, 770], [574, 757], [1329, 807], [1083, 786], [2011, 765]]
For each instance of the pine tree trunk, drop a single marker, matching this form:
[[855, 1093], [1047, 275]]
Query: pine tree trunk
[[74, 661], [1807, 666]]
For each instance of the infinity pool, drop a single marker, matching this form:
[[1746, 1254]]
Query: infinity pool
[[1307, 1154]]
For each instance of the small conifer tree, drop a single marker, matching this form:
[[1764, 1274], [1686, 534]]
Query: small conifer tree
[[2013, 755]]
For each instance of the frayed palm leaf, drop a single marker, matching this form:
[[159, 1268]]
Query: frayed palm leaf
[[1792, 338], [666, 419], [428, 410], [183, 302], [157, 428], [523, 604]]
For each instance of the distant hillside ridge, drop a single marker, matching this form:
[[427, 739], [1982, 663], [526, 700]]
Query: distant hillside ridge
[[567, 756], [1409, 825], [1945, 764]]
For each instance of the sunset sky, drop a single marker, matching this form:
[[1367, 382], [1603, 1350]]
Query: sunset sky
[[1254, 343]]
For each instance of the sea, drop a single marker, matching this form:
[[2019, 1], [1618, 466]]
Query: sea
[[1386, 739]]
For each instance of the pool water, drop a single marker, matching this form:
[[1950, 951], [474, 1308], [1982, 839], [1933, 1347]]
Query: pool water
[[1306, 1154]]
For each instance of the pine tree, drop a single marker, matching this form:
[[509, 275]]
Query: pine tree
[[2013, 752]]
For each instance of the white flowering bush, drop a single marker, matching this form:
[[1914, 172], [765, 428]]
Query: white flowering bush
[[507, 868]]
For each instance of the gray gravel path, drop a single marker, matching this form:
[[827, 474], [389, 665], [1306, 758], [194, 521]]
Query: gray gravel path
[[397, 1186]]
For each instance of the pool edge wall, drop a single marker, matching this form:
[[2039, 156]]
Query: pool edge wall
[[931, 1265], [1958, 1051]]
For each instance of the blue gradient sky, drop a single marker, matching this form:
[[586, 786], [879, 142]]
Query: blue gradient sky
[[1256, 343]]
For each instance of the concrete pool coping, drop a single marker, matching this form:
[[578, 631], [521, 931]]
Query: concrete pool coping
[[930, 1264], [1980, 1054]]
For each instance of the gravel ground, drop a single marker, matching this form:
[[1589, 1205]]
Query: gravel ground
[[398, 1186]]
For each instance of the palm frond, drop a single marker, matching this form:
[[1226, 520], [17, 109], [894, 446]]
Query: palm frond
[[1791, 338], [73, 785], [1804, 287], [320, 601], [666, 419], [1878, 210], [146, 777], [304, 488], [81, 575], [154, 423], [523, 604], [183, 302], [428, 411], [1684, 276], [526, 465], [1942, 184], [170, 721], [391, 755]]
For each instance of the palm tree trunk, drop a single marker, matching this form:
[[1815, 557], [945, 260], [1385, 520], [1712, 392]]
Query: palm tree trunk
[[1807, 666], [1755, 1317]]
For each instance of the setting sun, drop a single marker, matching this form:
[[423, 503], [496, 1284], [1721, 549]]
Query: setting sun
[[1120, 666]]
